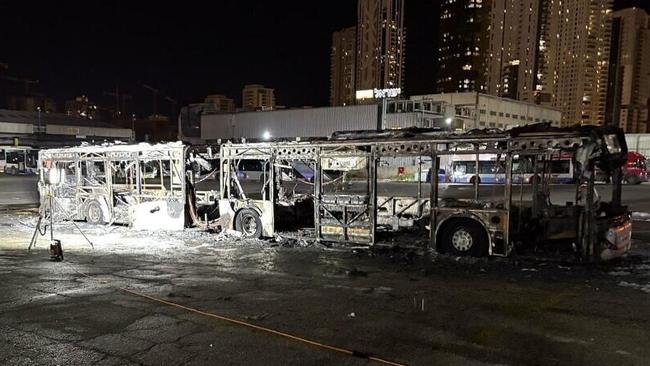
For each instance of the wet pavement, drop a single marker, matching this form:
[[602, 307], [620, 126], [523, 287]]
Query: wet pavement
[[398, 304]]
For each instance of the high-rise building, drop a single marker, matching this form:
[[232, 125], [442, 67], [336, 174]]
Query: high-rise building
[[380, 44], [512, 51], [342, 75], [220, 102], [573, 59], [489, 46], [462, 45], [628, 97], [257, 97]]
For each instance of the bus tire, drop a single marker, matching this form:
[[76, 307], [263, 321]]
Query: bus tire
[[473, 179], [248, 222], [12, 170], [94, 213], [465, 237], [632, 179]]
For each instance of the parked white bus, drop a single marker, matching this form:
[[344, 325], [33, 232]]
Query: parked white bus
[[463, 170], [18, 160]]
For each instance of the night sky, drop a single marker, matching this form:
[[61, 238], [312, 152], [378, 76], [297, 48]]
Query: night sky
[[190, 49]]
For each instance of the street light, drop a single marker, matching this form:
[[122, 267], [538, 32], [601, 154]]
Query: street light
[[266, 135], [39, 119], [448, 121]]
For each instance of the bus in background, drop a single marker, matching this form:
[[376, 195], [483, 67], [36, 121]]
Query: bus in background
[[561, 170], [463, 169], [18, 160]]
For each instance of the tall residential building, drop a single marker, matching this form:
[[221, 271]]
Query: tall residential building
[[514, 34], [342, 64], [257, 97], [489, 46], [462, 45], [220, 102], [628, 98], [573, 59], [380, 44]]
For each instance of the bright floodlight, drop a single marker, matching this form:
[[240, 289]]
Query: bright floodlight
[[448, 120], [55, 176], [266, 135]]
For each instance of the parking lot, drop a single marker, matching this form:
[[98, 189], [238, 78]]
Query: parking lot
[[399, 305]]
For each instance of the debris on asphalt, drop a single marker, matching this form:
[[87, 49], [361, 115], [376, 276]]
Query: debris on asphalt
[[354, 272], [645, 288], [229, 234], [257, 317], [620, 273]]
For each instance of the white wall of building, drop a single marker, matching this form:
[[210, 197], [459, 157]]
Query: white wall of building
[[495, 112]]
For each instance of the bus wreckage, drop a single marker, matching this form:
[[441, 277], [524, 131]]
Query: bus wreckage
[[343, 189]]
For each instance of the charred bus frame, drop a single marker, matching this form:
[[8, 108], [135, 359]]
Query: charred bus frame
[[140, 185], [152, 187], [463, 226]]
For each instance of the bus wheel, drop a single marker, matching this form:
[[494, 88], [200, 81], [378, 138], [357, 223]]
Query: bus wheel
[[12, 170], [248, 222], [465, 238], [632, 179], [474, 178], [94, 214]]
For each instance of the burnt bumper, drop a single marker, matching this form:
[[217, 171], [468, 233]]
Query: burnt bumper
[[616, 240]]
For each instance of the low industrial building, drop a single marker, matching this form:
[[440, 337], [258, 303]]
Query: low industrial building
[[39, 129], [494, 112], [455, 111]]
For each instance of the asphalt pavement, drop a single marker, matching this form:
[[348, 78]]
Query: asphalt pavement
[[391, 304], [396, 304], [18, 190]]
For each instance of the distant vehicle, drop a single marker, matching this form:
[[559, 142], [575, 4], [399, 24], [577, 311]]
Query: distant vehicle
[[442, 176], [463, 169], [634, 171], [561, 170], [16, 160]]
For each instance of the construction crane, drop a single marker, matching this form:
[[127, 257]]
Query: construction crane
[[174, 103], [26, 82], [119, 108], [155, 92]]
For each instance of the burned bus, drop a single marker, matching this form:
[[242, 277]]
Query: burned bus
[[350, 204], [139, 185], [339, 188]]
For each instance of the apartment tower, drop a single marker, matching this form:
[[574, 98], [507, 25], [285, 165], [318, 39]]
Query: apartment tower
[[628, 97], [514, 34], [380, 44], [464, 36], [342, 64], [573, 59], [258, 97]]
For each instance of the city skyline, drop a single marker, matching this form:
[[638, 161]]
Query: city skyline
[[189, 54]]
